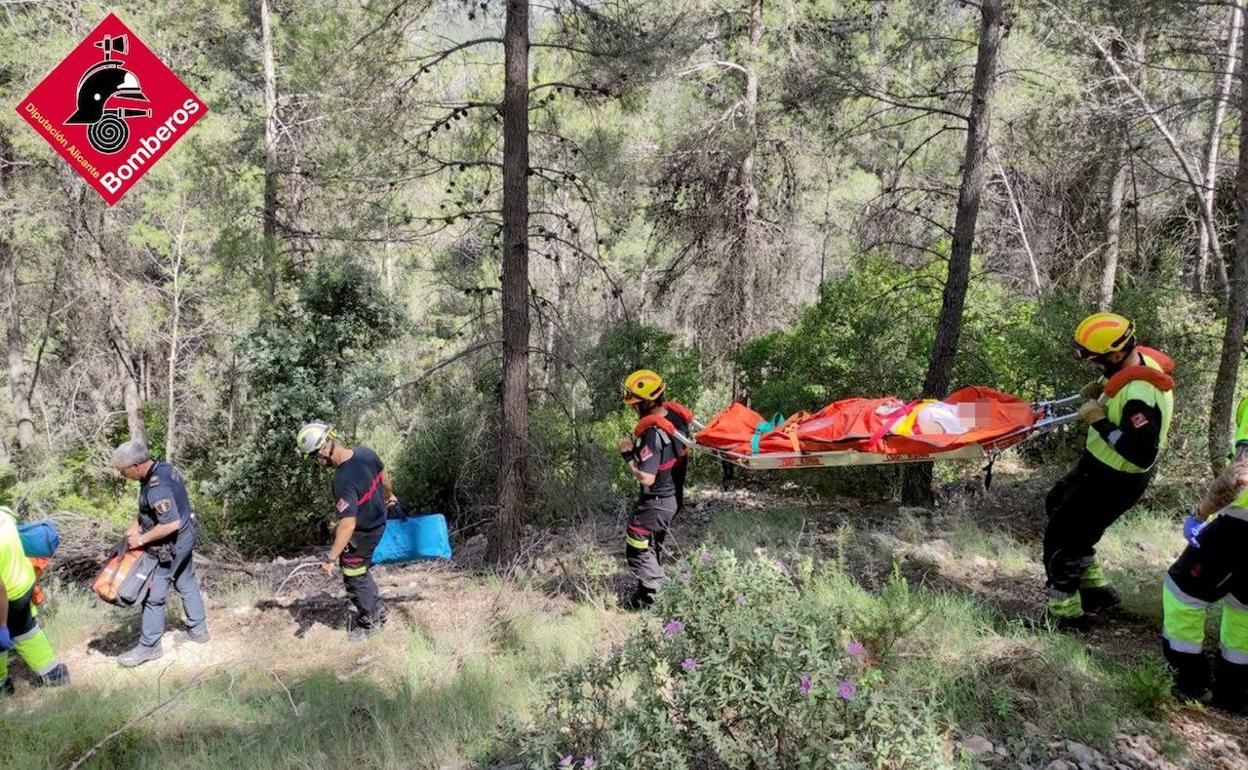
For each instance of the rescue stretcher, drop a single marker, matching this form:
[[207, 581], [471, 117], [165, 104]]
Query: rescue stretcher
[[881, 431]]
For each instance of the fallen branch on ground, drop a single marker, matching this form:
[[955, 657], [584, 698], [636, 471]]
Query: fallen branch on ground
[[196, 682]]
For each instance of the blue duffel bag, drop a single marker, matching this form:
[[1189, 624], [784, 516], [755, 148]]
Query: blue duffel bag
[[409, 538], [39, 539]]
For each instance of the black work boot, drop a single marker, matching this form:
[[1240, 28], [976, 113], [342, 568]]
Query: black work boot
[[361, 632], [1191, 674], [640, 599], [1099, 599], [1230, 687], [57, 677]]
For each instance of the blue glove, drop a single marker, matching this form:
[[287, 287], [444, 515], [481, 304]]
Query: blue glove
[[6, 641], [1191, 529]]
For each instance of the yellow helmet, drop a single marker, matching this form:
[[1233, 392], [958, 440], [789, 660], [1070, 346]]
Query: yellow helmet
[[1103, 333], [642, 385]]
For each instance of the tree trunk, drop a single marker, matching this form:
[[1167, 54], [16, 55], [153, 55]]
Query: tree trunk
[[269, 213], [171, 385], [1237, 301], [1118, 182], [1209, 172], [19, 371], [1113, 226], [504, 540], [20, 378], [127, 365], [747, 267], [917, 480]]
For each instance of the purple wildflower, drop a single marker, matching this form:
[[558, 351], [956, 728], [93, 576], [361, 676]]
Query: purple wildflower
[[855, 649], [566, 761], [674, 626], [688, 664], [589, 762], [847, 689], [684, 576], [804, 687], [740, 600], [706, 557]]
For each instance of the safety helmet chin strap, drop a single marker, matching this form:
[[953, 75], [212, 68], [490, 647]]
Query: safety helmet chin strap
[[1110, 368]]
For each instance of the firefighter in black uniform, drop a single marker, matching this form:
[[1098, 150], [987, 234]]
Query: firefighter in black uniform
[[653, 455], [362, 495]]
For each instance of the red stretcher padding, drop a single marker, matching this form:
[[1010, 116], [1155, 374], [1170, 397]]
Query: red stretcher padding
[[854, 425]]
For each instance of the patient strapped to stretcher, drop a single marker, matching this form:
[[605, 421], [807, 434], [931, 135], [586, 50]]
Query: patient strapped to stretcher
[[972, 415]]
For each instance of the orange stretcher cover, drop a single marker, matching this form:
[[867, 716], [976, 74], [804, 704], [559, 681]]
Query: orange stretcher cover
[[857, 424]]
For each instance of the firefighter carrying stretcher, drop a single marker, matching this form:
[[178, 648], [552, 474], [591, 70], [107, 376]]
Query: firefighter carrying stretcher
[[1127, 411], [657, 458]]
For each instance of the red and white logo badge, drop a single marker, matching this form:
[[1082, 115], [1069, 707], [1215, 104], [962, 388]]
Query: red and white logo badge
[[111, 109]]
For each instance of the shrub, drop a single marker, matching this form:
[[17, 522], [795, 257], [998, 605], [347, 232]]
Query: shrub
[[316, 359], [627, 347], [736, 670]]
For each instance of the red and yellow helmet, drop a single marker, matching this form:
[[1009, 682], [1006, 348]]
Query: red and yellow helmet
[[642, 385], [1103, 333]]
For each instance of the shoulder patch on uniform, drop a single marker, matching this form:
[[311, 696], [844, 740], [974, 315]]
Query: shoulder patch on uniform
[[162, 506], [341, 505], [646, 453], [154, 481], [1139, 420]]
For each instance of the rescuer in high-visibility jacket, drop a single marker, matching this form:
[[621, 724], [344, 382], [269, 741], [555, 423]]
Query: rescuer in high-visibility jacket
[[19, 617], [1213, 567], [1128, 412]]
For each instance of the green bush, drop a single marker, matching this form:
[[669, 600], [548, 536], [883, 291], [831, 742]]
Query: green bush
[[626, 347], [739, 670], [447, 463], [449, 459], [314, 359]]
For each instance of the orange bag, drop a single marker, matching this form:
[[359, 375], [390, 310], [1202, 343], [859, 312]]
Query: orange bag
[[125, 576], [40, 564]]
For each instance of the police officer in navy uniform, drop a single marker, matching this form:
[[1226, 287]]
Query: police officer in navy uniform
[[362, 496], [165, 528]]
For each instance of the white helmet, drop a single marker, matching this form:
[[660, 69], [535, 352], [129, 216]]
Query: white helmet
[[313, 436]]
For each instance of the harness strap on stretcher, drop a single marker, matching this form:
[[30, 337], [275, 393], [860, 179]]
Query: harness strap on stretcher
[[763, 428]]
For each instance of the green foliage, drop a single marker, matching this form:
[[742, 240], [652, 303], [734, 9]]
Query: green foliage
[[447, 463], [626, 347], [1149, 686], [449, 459], [744, 672], [779, 529], [315, 359]]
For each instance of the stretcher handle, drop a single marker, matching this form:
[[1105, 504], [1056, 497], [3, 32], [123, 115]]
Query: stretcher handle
[[1059, 402]]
